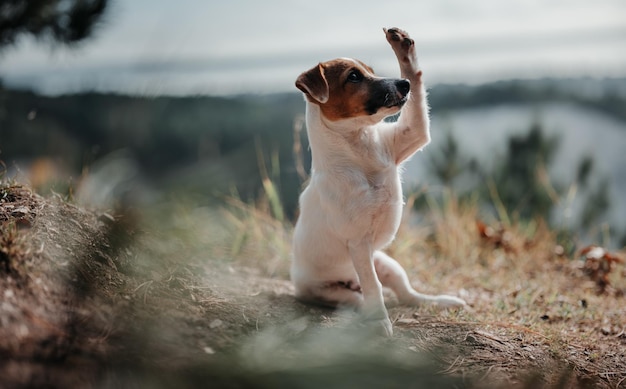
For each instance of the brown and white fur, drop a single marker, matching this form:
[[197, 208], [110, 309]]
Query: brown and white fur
[[352, 206]]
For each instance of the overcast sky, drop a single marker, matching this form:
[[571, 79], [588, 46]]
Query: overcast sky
[[223, 47]]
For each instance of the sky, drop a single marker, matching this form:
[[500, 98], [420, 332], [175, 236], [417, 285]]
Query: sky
[[226, 47]]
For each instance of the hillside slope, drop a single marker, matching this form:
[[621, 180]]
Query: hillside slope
[[100, 300]]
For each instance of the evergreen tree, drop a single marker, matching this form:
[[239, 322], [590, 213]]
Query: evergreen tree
[[519, 178]]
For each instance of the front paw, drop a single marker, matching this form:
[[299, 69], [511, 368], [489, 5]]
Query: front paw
[[404, 47], [381, 327]]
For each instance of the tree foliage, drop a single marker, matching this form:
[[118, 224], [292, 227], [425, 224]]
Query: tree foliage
[[64, 21], [204, 144], [520, 180], [521, 175]]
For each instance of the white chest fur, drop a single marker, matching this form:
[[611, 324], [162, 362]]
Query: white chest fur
[[355, 186]]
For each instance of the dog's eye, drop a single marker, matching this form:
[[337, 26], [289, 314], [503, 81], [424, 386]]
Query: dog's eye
[[355, 76]]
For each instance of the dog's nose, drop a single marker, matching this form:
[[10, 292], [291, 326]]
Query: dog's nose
[[404, 86]]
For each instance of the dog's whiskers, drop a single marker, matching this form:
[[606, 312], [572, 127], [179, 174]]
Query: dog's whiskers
[[387, 98]]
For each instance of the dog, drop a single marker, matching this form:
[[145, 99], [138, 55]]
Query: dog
[[352, 205]]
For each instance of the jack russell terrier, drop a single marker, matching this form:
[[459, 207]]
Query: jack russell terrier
[[352, 206]]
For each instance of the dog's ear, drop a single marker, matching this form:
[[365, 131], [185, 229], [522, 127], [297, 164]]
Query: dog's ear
[[314, 84]]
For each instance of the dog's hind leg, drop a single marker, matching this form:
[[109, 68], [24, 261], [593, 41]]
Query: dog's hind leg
[[393, 276], [333, 294]]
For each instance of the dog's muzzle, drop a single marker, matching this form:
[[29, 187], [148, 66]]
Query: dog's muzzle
[[388, 93]]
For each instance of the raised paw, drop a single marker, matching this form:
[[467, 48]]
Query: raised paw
[[404, 48], [396, 35]]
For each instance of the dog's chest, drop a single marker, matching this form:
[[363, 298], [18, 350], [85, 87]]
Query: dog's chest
[[377, 176], [375, 204], [380, 187], [384, 194]]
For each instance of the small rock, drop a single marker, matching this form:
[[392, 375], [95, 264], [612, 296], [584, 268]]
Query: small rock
[[21, 209], [605, 330], [216, 323]]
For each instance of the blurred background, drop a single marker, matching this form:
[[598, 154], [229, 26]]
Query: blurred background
[[144, 102]]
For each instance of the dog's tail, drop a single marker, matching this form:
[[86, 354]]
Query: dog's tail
[[442, 300]]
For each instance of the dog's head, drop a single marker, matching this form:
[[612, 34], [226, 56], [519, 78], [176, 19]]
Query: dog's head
[[346, 88]]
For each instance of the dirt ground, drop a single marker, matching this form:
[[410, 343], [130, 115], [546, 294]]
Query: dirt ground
[[93, 299]]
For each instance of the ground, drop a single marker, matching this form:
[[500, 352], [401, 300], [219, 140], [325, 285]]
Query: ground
[[201, 297]]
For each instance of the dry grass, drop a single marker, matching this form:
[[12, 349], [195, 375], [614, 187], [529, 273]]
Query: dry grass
[[258, 239], [536, 315], [524, 292]]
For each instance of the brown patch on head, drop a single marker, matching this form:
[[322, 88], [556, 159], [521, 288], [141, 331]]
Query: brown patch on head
[[313, 83], [339, 87], [348, 89], [366, 66]]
